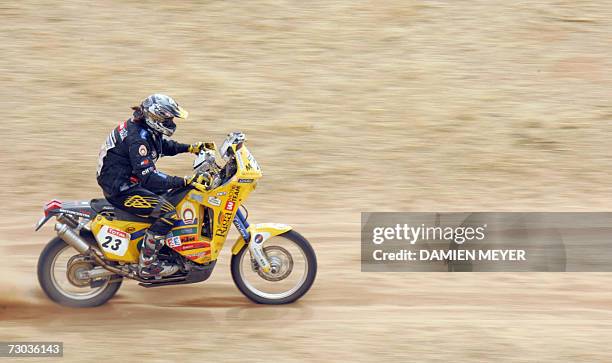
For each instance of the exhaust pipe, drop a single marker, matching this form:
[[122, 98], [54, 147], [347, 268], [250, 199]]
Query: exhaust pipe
[[71, 237]]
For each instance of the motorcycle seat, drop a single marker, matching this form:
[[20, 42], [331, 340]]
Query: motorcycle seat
[[105, 208], [101, 205]]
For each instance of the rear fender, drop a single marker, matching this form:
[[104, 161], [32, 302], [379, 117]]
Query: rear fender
[[77, 209]]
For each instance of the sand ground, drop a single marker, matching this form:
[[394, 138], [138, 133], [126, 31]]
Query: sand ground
[[349, 106]]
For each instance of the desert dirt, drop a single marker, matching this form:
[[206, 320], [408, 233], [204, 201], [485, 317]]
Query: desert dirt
[[349, 106]]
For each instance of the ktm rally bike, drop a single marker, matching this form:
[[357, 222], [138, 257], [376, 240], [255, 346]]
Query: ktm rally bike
[[97, 245]]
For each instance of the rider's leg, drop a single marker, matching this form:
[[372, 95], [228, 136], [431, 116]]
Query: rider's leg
[[144, 203], [153, 241]]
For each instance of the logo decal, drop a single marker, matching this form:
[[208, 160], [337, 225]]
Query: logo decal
[[123, 130], [197, 198], [197, 255], [226, 218], [189, 238], [184, 231], [214, 201], [173, 242], [188, 214], [142, 150], [147, 170], [116, 232], [137, 201], [258, 238], [245, 180], [225, 223], [193, 246]]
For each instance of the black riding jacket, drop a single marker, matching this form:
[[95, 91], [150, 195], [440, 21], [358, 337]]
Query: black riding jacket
[[127, 158]]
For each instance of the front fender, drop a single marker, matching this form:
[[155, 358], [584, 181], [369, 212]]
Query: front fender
[[266, 230]]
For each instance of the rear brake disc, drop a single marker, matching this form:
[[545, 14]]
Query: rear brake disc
[[76, 265]]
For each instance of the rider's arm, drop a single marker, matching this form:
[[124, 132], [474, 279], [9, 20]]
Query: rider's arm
[[171, 147], [143, 167]]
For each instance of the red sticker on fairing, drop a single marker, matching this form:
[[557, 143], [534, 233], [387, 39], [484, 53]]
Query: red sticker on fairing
[[229, 205], [188, 238], [193, 246], [116, 232]]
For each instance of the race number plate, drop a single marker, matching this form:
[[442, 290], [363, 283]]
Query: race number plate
[[113, 240]]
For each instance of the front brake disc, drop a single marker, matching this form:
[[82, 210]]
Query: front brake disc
[[281, 264]]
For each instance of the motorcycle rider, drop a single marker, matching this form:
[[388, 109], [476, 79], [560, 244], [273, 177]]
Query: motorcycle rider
[[131, 182]]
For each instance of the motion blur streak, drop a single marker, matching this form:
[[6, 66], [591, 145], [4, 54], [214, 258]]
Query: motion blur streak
[[363, 106]]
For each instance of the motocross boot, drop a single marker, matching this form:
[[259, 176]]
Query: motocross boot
[[148, 264]]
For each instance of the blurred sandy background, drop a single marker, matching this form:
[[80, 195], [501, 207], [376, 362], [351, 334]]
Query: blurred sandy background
[[349, 106]]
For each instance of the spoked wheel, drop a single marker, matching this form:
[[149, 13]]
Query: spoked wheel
[[62, 276], [293, 268]]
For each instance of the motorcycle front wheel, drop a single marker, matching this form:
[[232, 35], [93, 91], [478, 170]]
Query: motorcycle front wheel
[[293, 270]]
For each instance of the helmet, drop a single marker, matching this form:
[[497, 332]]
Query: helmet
[[159, 110]]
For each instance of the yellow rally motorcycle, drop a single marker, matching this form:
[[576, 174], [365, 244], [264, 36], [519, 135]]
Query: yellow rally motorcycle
[[271, 263]]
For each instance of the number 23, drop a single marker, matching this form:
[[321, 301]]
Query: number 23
[[109, 240]]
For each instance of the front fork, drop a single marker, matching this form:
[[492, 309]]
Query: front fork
[[256, 247]]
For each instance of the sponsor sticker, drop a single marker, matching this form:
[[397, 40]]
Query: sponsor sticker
[[74, 212], [113, 240], [240, 227], [258, 238], [116, 232], [173, 242], [252, 161], [195, 256], [226, 218], [197, 198], [123, 132], [193, 246], [184, 231], [220, 194], [188, 214], [245, 180], [188, 238], [147, 170], [214, 201], [142, 150]]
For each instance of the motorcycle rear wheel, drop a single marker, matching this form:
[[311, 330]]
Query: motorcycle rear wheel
[[52, 266]]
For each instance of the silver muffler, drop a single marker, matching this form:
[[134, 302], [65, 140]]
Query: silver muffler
[[71, 237]]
